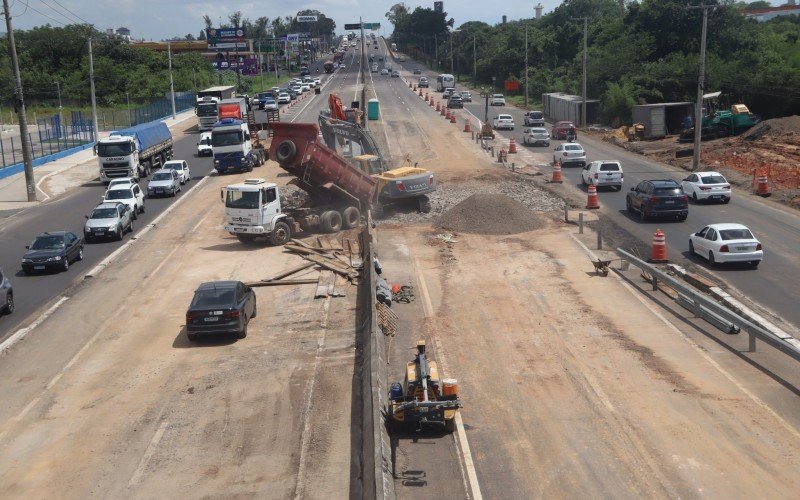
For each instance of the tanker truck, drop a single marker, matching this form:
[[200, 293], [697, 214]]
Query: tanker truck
[[134, 151], [338, 192]]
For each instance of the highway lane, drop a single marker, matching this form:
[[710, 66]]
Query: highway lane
[[774, 285], [33, 293]]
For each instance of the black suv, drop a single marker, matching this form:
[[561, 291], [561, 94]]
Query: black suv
[[455, 101], [662, 197]]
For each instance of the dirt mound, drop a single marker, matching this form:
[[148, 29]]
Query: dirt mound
[[774, 127], [490, 214]]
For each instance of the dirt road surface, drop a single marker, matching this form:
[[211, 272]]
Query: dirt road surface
[[109, 399]]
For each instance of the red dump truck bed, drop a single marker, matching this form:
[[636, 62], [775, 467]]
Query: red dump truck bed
[[319, 170]]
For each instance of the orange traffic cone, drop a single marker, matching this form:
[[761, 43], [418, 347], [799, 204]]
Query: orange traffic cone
[[444, 110], [409, 84], [452, 117], [592, 201], [467, 126], [437, 107], [431, 101], [512, 146], [762, 184], [557, 177], [659, 253]]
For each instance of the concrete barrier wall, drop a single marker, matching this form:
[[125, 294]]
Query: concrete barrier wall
[[376, 458]]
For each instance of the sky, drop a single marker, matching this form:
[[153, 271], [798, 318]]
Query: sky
[[163, 19]]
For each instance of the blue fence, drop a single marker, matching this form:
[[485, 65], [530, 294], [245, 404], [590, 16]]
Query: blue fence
[[54, 134]]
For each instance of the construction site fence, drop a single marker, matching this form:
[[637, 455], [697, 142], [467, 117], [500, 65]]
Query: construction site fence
[[53, 134], [375, 458]]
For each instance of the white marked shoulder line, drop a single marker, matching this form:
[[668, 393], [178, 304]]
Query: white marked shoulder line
[[22, 332]]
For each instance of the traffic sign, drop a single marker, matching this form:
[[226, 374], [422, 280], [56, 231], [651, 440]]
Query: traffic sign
[[356, 26]]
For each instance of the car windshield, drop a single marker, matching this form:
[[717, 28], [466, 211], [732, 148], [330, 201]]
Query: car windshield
[[48, 243], [162, 176], [573, 147], [215, 297], [609, 167], [498, 96], [119, 194], [227, 138], [114, 149], [173, 166], [504, 117], [103, 213], [535, 114], [713, 179], [666, 191], [538, 131], [205, 141], [736, 234], [242, 199]]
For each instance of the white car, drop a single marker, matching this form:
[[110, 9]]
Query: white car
[[603, 173], [305, 87], [505, 122], [132, 195], [497, 100], [317, 81], [535, 136], [466, 96], [204, 145], [720, 243], [708, 186], [284, 98], [122, 182], [180, 166], [569, 152]]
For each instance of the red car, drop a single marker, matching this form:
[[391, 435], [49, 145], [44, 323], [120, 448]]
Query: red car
[[562, 129]]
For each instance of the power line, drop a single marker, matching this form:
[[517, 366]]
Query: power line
[[66, 9], [43, 14]]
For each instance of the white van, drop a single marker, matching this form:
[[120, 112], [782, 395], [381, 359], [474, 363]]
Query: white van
[[603, 173], [204, 145]]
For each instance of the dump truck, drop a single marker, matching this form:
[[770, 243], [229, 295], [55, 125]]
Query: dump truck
[[134, 151], [338, 192], [328, 65], [423, 399]]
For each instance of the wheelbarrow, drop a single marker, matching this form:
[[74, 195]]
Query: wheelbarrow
[[601, 266]]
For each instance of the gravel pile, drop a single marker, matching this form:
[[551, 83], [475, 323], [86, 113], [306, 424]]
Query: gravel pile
[[774, 127], [447, 196], [490, 213]]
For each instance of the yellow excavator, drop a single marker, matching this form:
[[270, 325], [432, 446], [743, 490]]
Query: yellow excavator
[[422, 398]]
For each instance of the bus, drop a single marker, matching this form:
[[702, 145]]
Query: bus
[[445, 82]]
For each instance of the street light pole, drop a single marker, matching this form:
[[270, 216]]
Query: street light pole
[[698, 112], [171, 82], [260, 65], [526, 67], [452, 71], [130, 120], [95, 128], [585, 64], [60, 115], [474, 59], [19, 102]]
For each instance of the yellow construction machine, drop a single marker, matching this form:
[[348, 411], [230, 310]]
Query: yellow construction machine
[[424, 399], [402, 183]]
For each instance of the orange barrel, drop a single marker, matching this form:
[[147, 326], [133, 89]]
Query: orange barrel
[[449, 387]]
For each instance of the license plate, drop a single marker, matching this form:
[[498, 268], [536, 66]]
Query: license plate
[[100, 233], [742, 248], [210, 319], [669, 202], [38, 267]]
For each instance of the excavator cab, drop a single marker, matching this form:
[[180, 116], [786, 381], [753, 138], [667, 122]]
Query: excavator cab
[[369, 164]]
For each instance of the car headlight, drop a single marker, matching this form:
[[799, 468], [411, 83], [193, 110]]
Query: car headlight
[[26, 261], [54, 259], [112, 227], [243, 159], [216, 162]]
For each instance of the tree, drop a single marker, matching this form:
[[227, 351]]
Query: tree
[[236, 19]]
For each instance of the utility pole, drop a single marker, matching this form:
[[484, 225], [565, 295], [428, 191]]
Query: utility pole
[[698, 112], [95, 128], [363, 76], [260, 65], [452, 70], [171, 82], [526, 67], [60, 117], [585, 64], [19, 104], [130, 120], [474, 60], [436, 50]]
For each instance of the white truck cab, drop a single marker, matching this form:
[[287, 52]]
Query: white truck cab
[[253, 209]]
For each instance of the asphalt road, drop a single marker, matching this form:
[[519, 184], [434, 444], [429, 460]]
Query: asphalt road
[[36, 292], [773, 286]]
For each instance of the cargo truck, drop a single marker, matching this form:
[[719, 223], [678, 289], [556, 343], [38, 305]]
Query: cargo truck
[[328, 66], [134, 152], [235, 147], [233, 108], [207, 101], [338, 191]]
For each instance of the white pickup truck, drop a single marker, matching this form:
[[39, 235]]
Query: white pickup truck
[[505, 122]]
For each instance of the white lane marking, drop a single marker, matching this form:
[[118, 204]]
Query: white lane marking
[[694, 344], [22, 332], [466, 454], [148, 454]]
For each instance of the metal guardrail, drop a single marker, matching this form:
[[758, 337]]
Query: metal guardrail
[[713, 312]]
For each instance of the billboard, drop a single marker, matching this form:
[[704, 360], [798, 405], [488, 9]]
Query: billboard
[[306, 19], [438, 6], [226, 38], [245, 65], [511, 85]]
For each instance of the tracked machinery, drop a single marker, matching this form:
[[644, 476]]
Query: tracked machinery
[[423, 399], [342, 127]]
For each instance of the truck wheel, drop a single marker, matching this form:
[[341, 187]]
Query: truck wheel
[[246, 238], [286, 152], [280, 234], [351, 217], [331, 221]]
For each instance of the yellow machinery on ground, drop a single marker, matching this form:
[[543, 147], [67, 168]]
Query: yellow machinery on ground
[[422, 398], [402, 183]]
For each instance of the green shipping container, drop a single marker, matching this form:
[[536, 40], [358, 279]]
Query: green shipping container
[[373, 109]]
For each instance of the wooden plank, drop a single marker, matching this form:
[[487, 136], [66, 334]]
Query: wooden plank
[[332, 266], [325, 279], [282, 282], [289, 272], [301, 243], [305, 250], [340, 286], [332, 282], [336, 244], [355, 257], [324, 243]]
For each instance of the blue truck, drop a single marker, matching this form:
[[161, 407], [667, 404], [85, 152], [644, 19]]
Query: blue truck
[[235, 147], [135, 151]]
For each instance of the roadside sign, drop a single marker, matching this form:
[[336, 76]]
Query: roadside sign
[[351, 27], [306, 19], [511, 85]]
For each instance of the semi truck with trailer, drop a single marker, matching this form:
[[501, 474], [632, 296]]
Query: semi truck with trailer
[[235, 146], [338, 192], [134, 152]]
